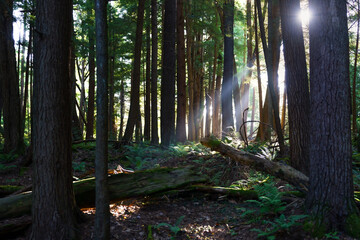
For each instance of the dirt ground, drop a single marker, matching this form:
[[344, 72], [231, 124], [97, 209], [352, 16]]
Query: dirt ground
[[184, 215]]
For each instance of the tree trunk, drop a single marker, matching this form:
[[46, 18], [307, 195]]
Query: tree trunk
[[181, 76], [354, 105], [91, 95], [296, 84], [276, 169], [135, 76], [226, 91], [216, 127], [331, 197], [121, 187], [261, 132], [154, 86], [53, 211], [283, 111], [27, 71], [148, 81], [168, 75], [102, 216], [10, 83]]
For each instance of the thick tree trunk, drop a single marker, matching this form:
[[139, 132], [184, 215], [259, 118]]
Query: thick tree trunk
[[121, 187], [331, 196], [296, 85], [53, 211], [226, 91], [154, 85], [276, 169], [102, 215], [135, 76], [10, 83], [168, 75], [181, 76]]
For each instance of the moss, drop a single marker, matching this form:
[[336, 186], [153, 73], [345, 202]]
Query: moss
[[214, 142], [315, 227], [352, 226]]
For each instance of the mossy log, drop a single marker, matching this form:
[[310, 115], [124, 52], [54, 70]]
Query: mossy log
[[9, 189], [121, 186], [277, 169]]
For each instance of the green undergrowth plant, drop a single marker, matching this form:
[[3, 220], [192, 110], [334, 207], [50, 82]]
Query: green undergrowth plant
[[8, 157], [84, 146], [269, 205], [79, 166], [280, 225], [175, 229]]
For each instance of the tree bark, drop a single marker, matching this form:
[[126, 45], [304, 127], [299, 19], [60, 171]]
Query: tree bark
[[147, 125], [135, 76], [154, 62], [331, 197], [226, 91], [296, 85], [53, 211], [10, 82], [181, 76], [102, 216], [168, 75]]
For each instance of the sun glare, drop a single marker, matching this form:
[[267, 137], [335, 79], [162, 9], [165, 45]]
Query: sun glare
[[304, 16]]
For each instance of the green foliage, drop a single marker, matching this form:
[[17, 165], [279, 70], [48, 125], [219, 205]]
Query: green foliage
[[8, 157], [79, 166], [269, 199], [254, 178], [4, 168], [332, 235], [84, 146], [279, 225], [175, 229]]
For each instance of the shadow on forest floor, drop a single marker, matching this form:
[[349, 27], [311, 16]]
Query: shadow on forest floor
[[187, 214]]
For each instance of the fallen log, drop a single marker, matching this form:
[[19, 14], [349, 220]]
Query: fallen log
[[121, 186], [277, 169]]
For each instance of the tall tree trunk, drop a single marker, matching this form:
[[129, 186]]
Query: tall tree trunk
[[236, 90], [283, 111], [296, 85], [91, 94], [226, 91], [216, 127], [122, 109], [53, 212], [27, 71], [245, 88], [181, 76], [154, 86], [261, 131], [212, 89], [272, 54], [354, 105], [168, 75], [190, 69], [331, 195], [148, 81], [75, 126], [10, 83], [111, 113], [102, 216], [135, 76]]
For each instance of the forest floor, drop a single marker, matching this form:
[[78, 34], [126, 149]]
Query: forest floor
[[183, 214]]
